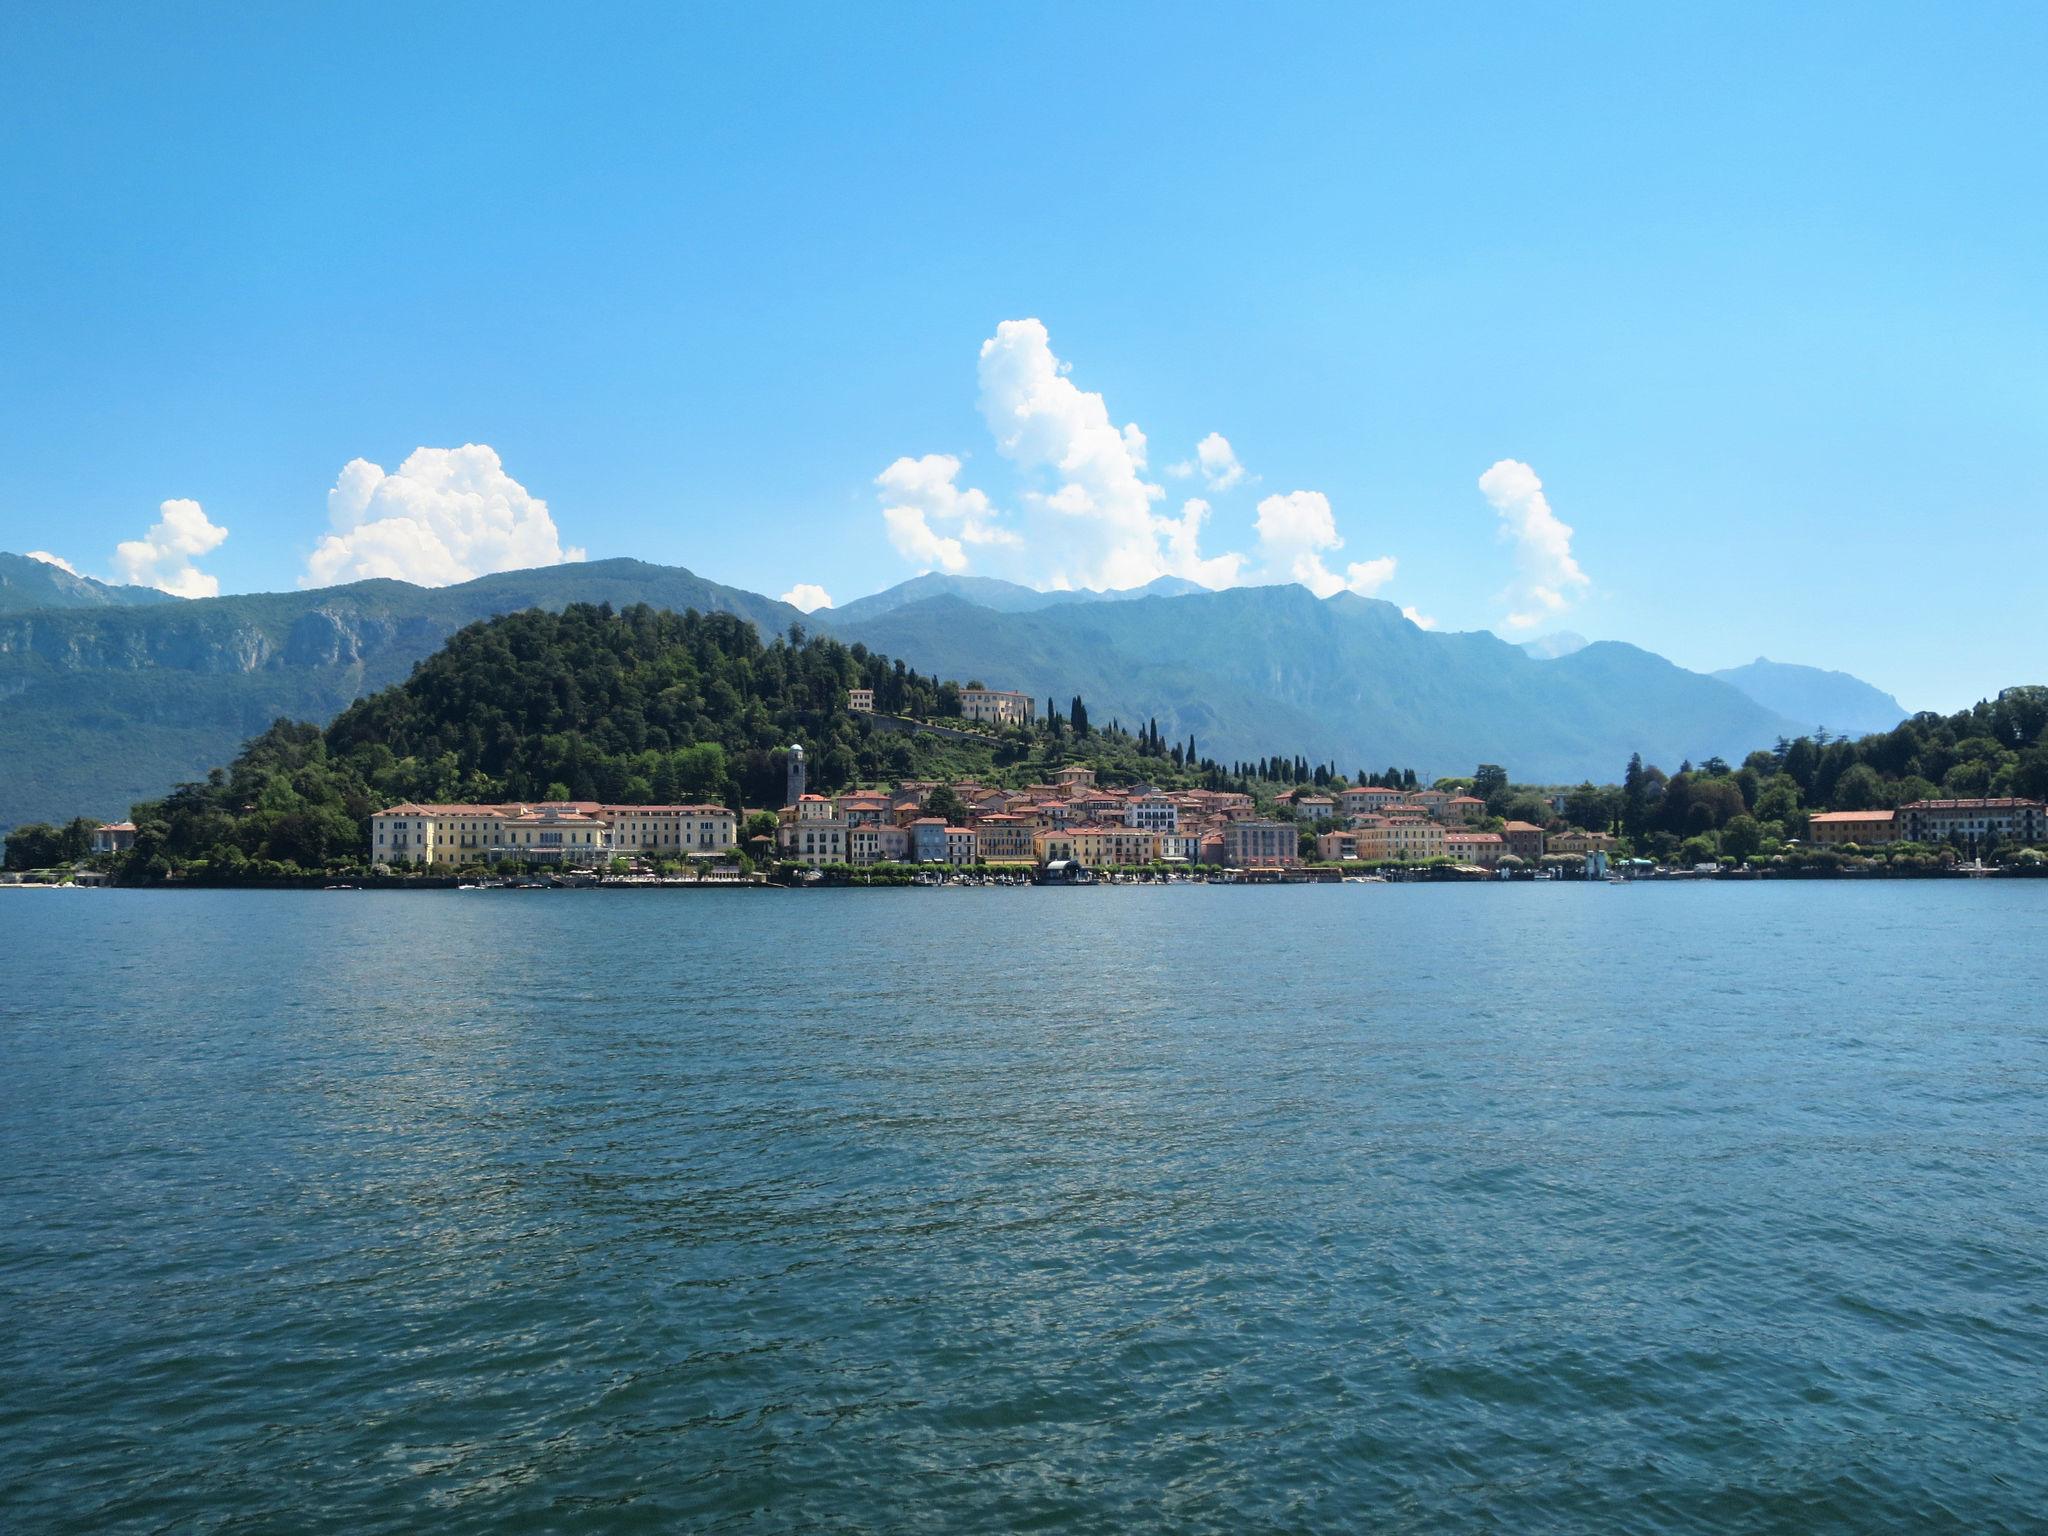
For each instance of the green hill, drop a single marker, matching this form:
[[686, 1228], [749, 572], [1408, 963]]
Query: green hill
[[639, 706]]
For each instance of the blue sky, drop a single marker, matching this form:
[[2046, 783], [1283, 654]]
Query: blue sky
[[1756, 296]]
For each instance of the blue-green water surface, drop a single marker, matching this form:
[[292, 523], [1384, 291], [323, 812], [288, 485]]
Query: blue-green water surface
[[1528, 1208]]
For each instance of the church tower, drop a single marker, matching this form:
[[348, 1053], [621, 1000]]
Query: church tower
[[796, 775]]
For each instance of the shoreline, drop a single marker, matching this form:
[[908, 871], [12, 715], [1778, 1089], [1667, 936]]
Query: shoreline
[[1259, 881]]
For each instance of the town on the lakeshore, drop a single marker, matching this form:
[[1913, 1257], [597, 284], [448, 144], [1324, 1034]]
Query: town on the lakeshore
[[1073, 822]]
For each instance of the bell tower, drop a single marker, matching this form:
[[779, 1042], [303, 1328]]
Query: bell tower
[[796, 775]]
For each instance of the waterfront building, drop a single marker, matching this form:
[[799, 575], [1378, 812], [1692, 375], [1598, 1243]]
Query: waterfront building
[[670, 829], [1405, 839], [816, 840], [928, 840], [1970, 821], [1577, 841], [997, 706], [1335, 847], [1524, 840], [961, 846], [1481, 848], [877, 843], [573, 832], [113, 837], [1181, 847], [1253, 842], [1866, 829], [1005, 838]]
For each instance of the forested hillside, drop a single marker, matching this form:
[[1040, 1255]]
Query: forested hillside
[[591, 704], [1996, 747]]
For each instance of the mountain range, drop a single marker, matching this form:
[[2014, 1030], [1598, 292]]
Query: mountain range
[[27, 583], [106, 701], [1845, 705]]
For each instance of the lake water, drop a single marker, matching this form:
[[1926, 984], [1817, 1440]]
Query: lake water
[[1567, 1207]]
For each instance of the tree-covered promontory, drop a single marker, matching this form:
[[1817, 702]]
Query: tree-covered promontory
[[635, 706]]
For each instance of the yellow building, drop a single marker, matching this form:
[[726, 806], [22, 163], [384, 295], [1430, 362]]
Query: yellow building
[[1406, 839], [1098, 847], [1866, 829], [577, 832], [1006, 839]]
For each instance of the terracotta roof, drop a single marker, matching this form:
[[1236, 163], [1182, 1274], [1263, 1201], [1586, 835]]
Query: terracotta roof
[[1847, 816]]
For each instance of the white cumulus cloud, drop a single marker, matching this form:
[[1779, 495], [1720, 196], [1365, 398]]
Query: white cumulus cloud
[[1417, 617], [1548, 577], [49, 559], [1087, 515], [1218, 462], [1294, 532], [1100, 506], [807, 595], [918, 493], [1183, 540], [444, 515], [165, 556], [1215, 461]]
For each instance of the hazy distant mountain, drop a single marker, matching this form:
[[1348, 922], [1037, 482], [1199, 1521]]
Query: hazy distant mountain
[[26, 584], [101, 707], [1814, 698], [998, 596], [1550, 647], [1260, 670]]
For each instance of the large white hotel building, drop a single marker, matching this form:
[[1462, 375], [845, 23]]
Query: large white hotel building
[[551, 832]]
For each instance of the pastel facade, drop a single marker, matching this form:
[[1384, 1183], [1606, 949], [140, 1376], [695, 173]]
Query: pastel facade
[[1006, 839], [1524, 840], [997, 706], [1576, 841], [2010, 820], [1154, 813], [1483, 849], [1252, 842], [1866, 829], [1366, 800], [1399, 839], [113, 837], [575, 832]]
